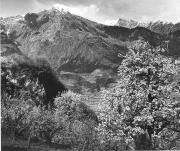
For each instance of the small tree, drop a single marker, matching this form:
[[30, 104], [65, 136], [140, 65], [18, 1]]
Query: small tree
[[78, 119], [142, 103]]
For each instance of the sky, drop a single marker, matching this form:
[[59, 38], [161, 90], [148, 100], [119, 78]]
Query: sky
[[102, 11]]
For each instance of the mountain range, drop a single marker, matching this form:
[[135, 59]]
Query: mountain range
[[83, 53], [158, 26]]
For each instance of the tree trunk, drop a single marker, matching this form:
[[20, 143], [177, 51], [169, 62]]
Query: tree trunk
[[143, 142], [29, 142]]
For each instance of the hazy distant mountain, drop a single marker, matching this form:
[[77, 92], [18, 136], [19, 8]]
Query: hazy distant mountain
[[129, 23], [158, 26]]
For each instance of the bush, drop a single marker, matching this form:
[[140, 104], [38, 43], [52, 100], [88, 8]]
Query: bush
[[21, 84], [71, 122], [15, 115], [79, 120]]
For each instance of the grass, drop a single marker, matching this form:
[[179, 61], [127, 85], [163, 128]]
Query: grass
[[21, 145]]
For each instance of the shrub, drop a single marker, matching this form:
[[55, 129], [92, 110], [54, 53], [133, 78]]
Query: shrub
[[71, 122], [21, 84], [14, 114], [43, 124], [21, 118], [79, 120]]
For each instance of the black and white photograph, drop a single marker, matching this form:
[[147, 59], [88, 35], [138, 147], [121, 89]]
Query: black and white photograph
[[90, 75]]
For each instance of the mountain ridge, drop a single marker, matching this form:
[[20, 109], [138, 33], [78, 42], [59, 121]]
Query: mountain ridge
[[75, 46]]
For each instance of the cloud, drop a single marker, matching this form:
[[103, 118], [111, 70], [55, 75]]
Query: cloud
[[84, 11], [109, 22], [103, 11], [111, 10], [140, 10]]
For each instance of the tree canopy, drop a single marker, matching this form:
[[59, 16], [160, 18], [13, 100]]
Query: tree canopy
[[142, 105]]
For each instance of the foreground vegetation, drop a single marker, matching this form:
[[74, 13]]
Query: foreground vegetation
[[140, 112]]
